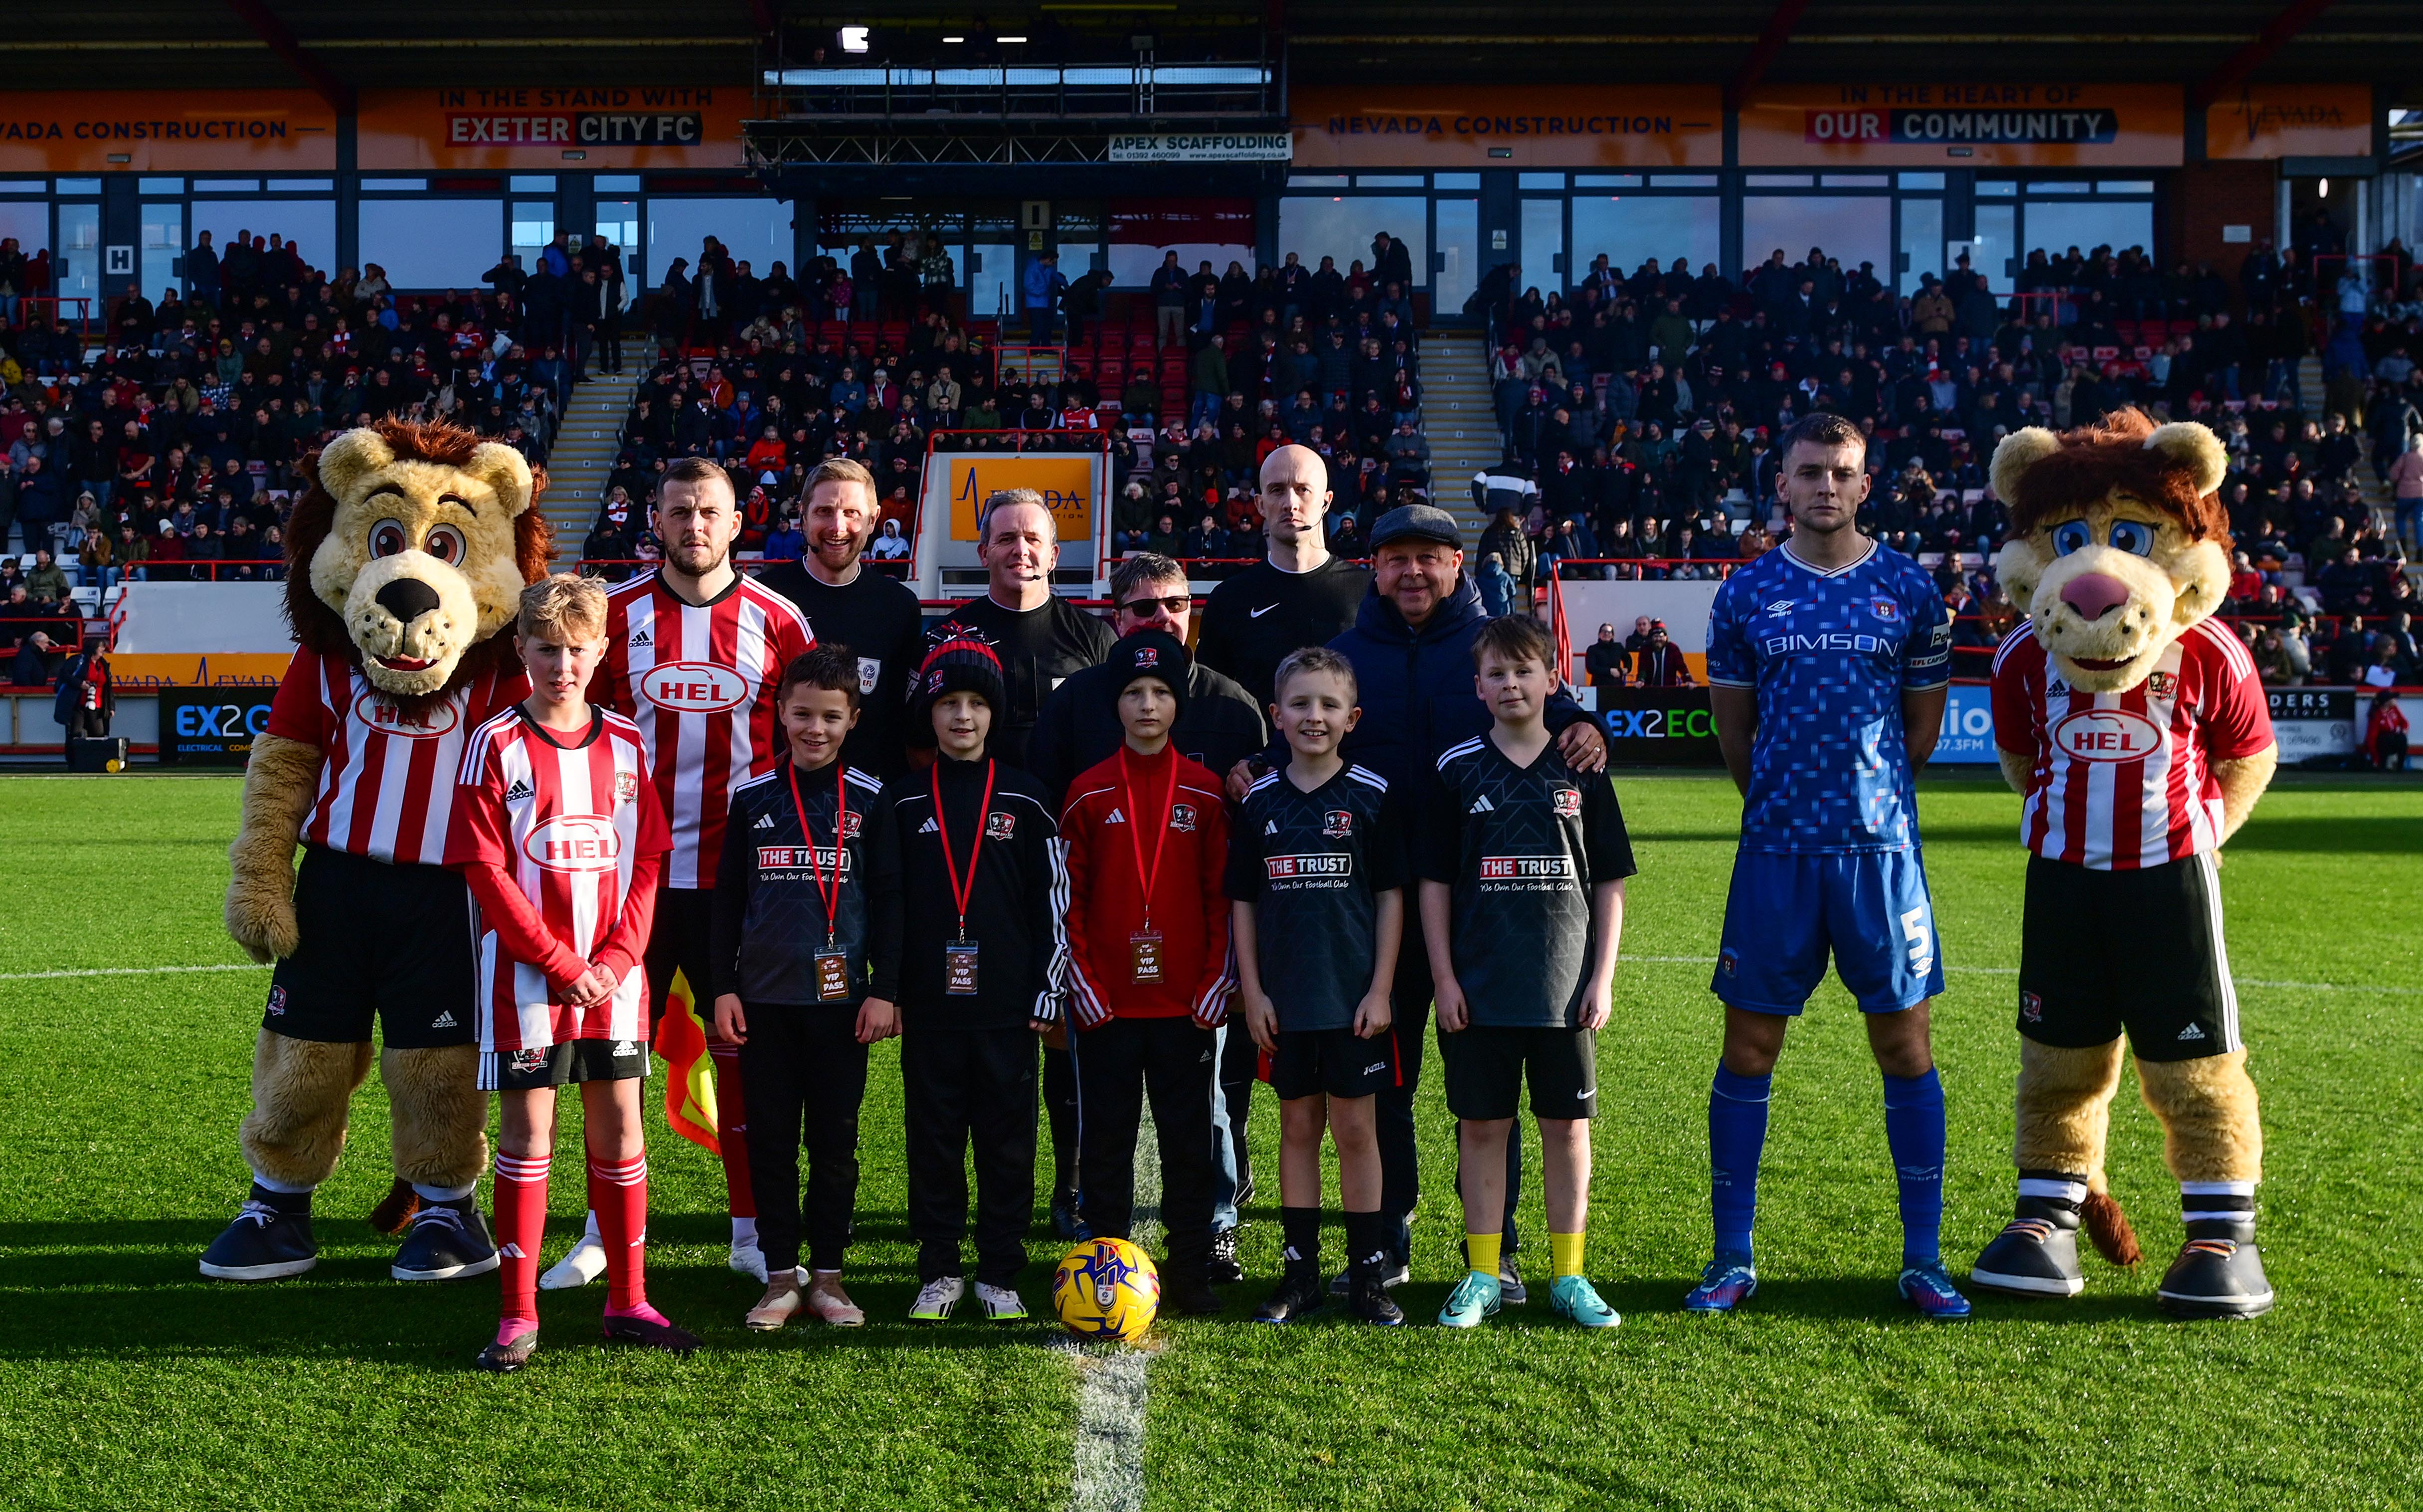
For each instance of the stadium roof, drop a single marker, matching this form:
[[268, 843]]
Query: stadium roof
[[257, 44]]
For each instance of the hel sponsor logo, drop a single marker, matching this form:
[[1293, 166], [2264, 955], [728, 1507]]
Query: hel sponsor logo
[[1337, 823], [1181, 818], [1001, 825], [1829, 640], [2106, 735], [1503, 868], [1567, 802], [1280, 868], [693, 688], [388, 718], [801, 857], [575, 842]]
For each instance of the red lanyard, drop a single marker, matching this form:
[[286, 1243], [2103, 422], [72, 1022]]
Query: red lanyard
[[841, 837], [959, 894], [1160, 827]]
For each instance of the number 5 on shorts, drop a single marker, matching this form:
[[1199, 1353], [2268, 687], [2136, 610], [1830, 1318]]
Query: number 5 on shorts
[[1922, 941]]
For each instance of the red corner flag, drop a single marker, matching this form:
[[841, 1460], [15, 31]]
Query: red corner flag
[[690, 1082]]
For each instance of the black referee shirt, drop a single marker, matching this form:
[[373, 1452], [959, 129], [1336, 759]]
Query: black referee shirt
[[767, 923], [1314, 864], [1252, 620], [1523, 847]]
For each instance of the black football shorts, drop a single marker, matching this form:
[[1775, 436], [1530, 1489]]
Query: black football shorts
[[383, 945], [2139, 951], [1487, 1063], [1335, 1062]]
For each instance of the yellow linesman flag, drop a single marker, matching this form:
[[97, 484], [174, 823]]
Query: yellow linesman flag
[[689, 1081]]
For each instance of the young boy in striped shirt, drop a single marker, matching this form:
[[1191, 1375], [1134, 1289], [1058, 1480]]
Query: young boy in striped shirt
[[560, 834]]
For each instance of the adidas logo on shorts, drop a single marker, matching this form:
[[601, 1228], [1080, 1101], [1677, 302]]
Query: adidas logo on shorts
[[444, 1020], [517, 793], [2190, 1032], [625, 1049]]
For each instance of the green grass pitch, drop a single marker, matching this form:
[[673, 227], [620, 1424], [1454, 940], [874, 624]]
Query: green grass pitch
[[127, 1381]]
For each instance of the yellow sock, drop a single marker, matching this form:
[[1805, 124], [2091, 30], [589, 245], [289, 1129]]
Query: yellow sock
[[1481, 1251], [1567, 1248]]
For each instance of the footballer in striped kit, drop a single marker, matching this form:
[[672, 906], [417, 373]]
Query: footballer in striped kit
[[2137, 733]]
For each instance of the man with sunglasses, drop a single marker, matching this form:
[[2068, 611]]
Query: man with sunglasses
[[1219, 725]]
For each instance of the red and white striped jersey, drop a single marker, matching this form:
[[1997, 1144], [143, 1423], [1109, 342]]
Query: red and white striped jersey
[[2121, 780], [699, 681], [561, 846], [386, 779]]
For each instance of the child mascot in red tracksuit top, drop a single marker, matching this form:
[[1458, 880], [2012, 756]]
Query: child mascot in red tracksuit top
[[1148, 939]]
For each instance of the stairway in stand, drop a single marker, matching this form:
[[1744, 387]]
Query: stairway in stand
[[582, 458], [1460, 421]]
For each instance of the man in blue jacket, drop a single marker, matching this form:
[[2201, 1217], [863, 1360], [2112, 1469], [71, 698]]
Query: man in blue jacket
[[1412, 650], [1042, 286]]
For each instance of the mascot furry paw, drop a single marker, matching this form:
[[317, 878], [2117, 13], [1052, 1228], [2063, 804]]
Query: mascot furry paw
[[2137, 732], [405, 560]]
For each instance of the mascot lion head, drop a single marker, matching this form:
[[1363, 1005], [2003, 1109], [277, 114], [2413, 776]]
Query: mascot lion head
[[2118, 541], [408, 552]]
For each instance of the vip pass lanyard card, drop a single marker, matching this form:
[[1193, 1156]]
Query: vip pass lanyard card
[[833, 962], [959, 955], [1144, 945]]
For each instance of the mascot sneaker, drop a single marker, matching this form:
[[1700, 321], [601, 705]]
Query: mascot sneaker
[[1001, 1304], [1300, 1295], [1729, 1281], [1370, 1303], [781, 1303], [2219, 1273], [1928, 1289], [448, 1241], [935, 1298], [269, 1239], [582, 1263], [2035, 1255]]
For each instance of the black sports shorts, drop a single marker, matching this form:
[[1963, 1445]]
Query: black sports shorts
[[564, 1066], [677, 938], [1335, 1062], [381, 943], [2138, 950], [1487, 1063]]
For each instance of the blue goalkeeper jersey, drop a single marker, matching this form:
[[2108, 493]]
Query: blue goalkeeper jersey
[[1831, 654]]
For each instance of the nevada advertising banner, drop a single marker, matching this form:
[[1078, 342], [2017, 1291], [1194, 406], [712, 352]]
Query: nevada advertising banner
[[1939, 125], [156, 130], [1478, 126]]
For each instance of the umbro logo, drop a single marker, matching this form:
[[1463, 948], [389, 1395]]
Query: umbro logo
[[1256, 614], [1780, 608], [519, 790], [765, 820], [1482, 805], [2190, 1032], [929, 828], [1116, 818], [445, 1020]]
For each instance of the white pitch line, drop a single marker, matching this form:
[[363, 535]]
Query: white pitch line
[[123, 970], [1111, 1383], [2013, 970]]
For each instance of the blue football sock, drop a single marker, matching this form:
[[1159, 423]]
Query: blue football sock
[[1914, 1131], [1736, 1133]]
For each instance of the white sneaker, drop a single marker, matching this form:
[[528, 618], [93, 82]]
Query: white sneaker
[[832, 1304], [584, 1265], [935, 1298], [1001, 1304], [749, 1260]]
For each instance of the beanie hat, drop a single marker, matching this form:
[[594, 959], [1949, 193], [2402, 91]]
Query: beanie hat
[[1150, 654], [960, 665]]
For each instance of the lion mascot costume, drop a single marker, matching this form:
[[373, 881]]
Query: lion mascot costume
[[2137, 731], [406, 557]]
